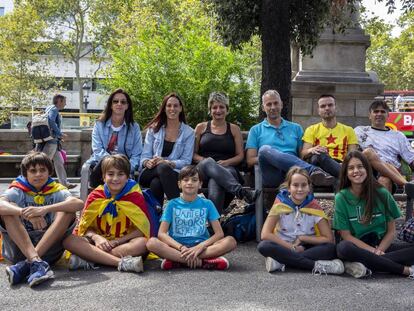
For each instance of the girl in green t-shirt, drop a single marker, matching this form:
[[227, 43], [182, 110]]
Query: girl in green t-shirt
[[365, 214]]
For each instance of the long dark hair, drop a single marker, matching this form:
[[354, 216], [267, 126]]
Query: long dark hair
[[160, 118], [107, 113], [369, 186]]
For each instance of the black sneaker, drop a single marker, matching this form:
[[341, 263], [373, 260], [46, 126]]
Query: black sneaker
[[249, 196], [321, 178]]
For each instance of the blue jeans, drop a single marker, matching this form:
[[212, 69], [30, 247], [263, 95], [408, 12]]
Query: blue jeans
[[221, 180], [274, 165], [325, 162]]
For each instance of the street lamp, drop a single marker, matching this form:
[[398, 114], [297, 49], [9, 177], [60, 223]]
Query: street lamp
[[86, 87]]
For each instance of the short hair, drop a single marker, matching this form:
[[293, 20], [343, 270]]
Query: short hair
[[219, 98], [118, 161], [189, 171], [379, 103], [34, 158], [326, 95], [57, 98], [271, 92]]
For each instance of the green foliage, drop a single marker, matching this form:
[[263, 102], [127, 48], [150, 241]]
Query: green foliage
[[391, 58], [22, 71], [175, 48], [77, 29]]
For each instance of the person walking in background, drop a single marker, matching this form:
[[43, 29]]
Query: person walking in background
[[52, 147]]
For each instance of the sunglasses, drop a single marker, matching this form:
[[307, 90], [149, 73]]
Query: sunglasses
[[116, 101]]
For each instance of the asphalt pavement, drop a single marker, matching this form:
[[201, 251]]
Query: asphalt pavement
[[245, 286]]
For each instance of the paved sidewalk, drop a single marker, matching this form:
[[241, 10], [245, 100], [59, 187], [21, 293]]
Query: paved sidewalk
[[246, 286]]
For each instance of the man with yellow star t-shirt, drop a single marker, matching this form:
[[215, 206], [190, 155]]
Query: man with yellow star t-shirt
[[326, 143]]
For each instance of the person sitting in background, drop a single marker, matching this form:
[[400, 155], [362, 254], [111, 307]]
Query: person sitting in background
[[385, 148], [115, 132], [218, 150], [168, 147]]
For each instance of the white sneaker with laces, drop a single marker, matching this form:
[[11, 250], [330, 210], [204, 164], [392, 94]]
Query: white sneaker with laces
[[131, 264], [328, 267], [274, 265], [75, 263], [357, 270]]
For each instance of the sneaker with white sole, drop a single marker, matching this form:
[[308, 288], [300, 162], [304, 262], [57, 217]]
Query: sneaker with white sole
[[357, 270], [411, 276], [18, 272], [273, 265], [328, 267], [75, 263], [131, 264], [39, 272]]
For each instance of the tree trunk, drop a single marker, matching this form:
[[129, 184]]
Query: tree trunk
[[80, 84], [276, 62]]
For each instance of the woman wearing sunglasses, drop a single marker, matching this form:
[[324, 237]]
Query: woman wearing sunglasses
[[115, 132]]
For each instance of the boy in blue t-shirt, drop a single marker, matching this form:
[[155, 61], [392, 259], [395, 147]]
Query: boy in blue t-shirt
[[183, 238], [36, 214]]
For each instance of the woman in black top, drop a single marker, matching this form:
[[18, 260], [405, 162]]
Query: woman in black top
[[218, 150]]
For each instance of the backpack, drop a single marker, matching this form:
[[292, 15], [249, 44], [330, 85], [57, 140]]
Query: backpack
[[40, 129], [407, 231], [154, 208], [241, 226]]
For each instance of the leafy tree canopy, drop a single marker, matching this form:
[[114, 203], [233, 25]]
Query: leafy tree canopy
[[159, 49]]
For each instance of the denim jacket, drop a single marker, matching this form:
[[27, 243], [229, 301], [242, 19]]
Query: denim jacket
[[131, 147], [182, 153], [55, 121]]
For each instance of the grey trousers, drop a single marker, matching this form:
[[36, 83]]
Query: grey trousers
[[51, 150]]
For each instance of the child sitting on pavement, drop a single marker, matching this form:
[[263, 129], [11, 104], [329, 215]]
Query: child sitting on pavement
[[296, 232], [115, 222], [36, 214], [183, 238]]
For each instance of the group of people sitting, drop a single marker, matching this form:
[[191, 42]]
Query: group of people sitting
[[117, 228]]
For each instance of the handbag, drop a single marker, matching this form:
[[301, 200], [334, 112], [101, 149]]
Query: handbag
[[407, 231]]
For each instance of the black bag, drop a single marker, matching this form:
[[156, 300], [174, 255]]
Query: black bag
[[407, 231], [241, 226]]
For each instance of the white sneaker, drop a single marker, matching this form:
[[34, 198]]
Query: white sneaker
[[273, 265], [131, 264], [75, 263], [328, 267], [411, 276], [357, 270]]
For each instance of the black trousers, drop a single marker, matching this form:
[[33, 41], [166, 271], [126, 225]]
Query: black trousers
[[393, 261], [161, 179], [305, 260]]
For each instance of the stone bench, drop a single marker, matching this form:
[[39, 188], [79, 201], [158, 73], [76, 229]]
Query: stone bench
[[10, 164]]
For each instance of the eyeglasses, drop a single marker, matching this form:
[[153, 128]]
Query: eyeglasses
[[116, 101]]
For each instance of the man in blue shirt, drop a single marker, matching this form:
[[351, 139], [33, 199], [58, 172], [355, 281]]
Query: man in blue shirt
[[275, 144], [52, 147]]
